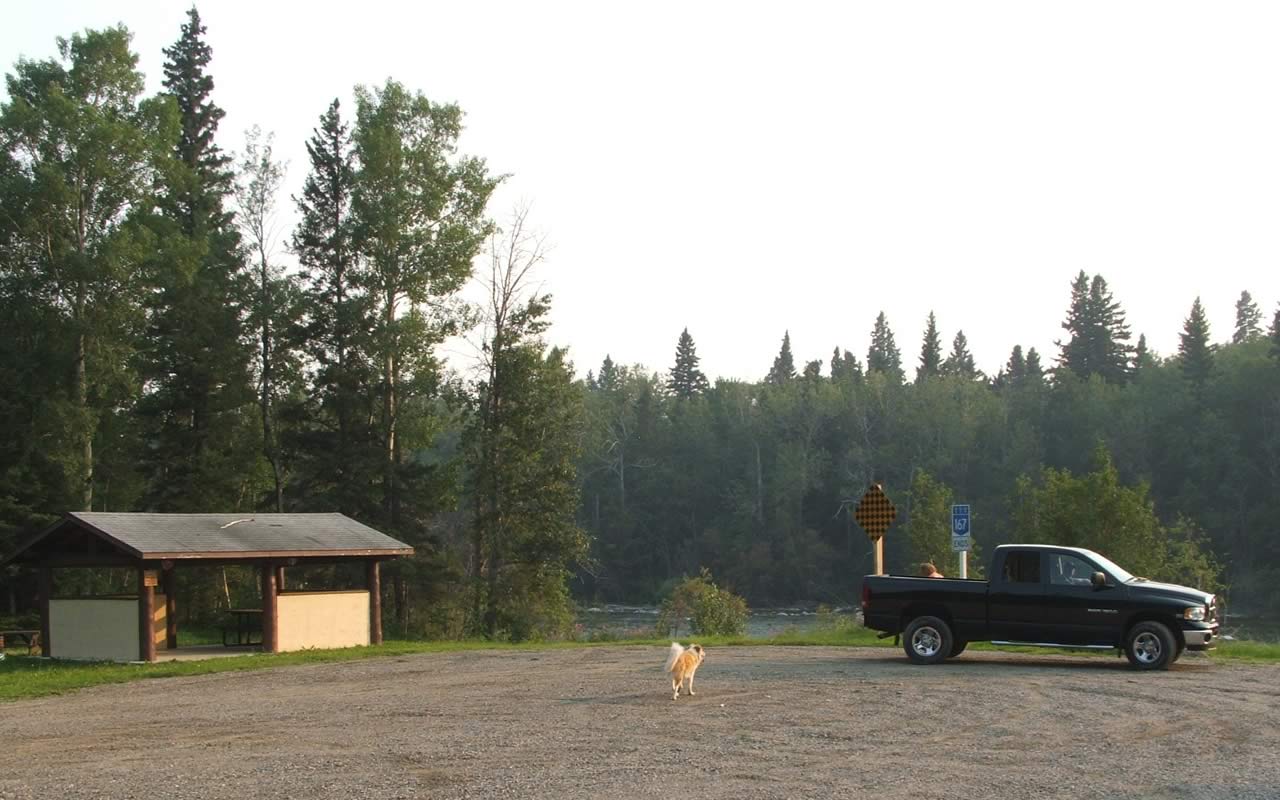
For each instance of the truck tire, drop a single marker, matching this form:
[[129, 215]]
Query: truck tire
[[1150, 645], [957, 647], [1177, 653], [927, 640]]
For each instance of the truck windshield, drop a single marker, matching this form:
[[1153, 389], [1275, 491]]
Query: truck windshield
[[1117, 572]]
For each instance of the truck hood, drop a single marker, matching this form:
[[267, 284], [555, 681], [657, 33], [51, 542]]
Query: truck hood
[[1154, 589]]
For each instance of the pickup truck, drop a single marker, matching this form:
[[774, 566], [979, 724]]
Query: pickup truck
[[1046, 596]]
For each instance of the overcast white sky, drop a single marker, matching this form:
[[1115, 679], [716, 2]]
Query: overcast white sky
[[744, 169]]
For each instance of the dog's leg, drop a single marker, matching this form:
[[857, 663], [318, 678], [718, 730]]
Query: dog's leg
[[675, 688], [691, 684]]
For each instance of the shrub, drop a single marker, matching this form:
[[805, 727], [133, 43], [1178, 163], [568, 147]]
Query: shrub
[[711, 611]]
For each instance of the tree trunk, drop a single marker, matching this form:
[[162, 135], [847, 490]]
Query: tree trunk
[[268, 434], [390, 504], [86, 434]]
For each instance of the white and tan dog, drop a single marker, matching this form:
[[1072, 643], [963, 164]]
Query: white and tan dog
[[682, 662]]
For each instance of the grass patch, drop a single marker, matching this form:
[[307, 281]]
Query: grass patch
[[23, 677]]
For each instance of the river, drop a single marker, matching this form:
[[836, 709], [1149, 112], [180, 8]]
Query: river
[[624, 621]]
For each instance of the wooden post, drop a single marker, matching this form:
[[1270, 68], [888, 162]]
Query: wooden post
[[46, 593], [280, 578], [170, 588], [270, 618], [146, 617], [375, 602], [879, 555]]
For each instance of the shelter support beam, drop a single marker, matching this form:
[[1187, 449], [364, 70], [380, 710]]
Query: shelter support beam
[[375, 602], [270, 610]]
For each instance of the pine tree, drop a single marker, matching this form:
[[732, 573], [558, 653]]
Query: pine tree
[[1016, 369], [1113, 350], [883, 355], [845, 367], [930, 352], [686, 379], [1035, 373], [337, 311], [610, 377], [1248, 320], [197, 409], [1142, 358], [960, 361], [784, 366], [1194, 349], [1098, 344], [812, 370], [1274, 334]]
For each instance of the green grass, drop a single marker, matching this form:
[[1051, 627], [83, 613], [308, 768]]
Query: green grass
[[22, 676]]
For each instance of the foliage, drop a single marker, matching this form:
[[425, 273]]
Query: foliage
[[711, 610]]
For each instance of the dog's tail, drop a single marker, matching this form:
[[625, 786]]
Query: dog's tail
[[676, 651]]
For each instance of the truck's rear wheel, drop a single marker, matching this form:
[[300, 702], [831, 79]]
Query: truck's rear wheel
[[1150, 645], [927, 640], [958, 647]]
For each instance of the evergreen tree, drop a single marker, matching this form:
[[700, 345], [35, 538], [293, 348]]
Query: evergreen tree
[[197, 411], [1035, 373], [611, 376], [686, 379], [813, 370], [1194, 349], [1098, 344], [339, 444], [930, 352], [1113, 350], [784, 366], [960, 361], [1142, 358], [1248, 320], [1016, 369], [845, 367], [883, 355], [1274, 334]]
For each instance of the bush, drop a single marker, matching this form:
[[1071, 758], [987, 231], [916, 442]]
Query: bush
[[711, 611]]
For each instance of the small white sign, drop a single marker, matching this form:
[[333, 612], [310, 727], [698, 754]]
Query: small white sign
[[961, 544]]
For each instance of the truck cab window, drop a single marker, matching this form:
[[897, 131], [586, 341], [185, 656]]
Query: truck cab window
[[1065, 570], [1022, 567]]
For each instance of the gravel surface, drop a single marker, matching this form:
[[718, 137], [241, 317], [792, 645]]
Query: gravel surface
[[599, 723]]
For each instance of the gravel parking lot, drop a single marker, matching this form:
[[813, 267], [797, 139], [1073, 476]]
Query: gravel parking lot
[[592, 723]]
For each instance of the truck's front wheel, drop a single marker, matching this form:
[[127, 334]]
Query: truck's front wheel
[[1150, 645], [927, 640]]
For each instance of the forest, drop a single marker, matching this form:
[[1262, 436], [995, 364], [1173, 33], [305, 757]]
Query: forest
[[160, 351]]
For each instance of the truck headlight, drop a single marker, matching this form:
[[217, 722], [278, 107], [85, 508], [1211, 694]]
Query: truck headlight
[[1195, 614]]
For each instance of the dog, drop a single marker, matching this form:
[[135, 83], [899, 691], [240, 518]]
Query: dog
[[682, 662]]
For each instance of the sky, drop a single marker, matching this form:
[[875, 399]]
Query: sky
[[746, 169]]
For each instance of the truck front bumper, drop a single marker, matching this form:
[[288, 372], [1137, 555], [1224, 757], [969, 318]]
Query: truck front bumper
[[1205, 638]]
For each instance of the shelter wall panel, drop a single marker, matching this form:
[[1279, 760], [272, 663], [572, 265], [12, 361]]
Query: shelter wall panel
[[105, 630], [323, 619]]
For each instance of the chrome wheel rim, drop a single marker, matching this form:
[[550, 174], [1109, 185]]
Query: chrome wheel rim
[[926, 641], [1147, 648]]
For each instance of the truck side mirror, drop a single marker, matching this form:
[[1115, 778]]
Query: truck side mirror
[[1099, 580]]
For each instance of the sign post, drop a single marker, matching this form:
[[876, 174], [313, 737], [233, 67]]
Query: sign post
[[961, 536], [875, 514]]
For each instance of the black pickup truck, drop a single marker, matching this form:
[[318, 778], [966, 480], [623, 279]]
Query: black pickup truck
[[1047, 596]]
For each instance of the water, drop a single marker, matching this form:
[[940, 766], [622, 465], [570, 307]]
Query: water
[[638, 622]]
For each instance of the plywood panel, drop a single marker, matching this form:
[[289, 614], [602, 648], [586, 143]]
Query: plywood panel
[[103, 630], [323, 619]]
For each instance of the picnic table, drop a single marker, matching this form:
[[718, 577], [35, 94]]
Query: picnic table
[[248, 623], [30, 638]]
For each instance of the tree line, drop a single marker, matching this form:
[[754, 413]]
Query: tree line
[[1169, 465]]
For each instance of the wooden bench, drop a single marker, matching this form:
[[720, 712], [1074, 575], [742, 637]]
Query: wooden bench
[[30, 638]]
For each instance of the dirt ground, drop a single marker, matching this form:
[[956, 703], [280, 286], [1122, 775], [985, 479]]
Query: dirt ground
[[766, 722]]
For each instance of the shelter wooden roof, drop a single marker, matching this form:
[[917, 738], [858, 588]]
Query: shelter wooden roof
[[86, 536]]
